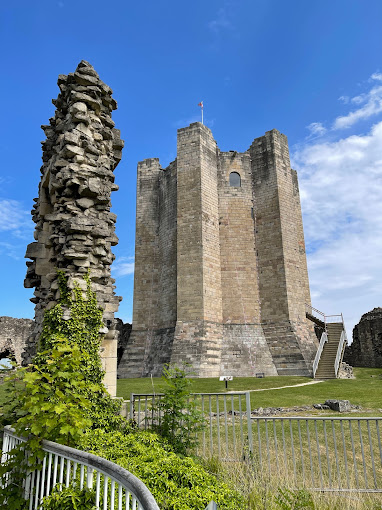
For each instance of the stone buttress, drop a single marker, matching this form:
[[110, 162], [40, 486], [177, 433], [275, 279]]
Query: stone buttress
[[75, 229]]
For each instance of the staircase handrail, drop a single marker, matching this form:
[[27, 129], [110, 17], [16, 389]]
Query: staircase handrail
[[323, 340], [312, 311], [340, 350]]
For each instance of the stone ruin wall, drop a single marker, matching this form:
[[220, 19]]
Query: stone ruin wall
[[14, 334], [75, 229], [366, 349]]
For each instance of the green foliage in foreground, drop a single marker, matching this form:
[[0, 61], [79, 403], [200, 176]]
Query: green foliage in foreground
[[61, 393], [176, 483], [69, 498]]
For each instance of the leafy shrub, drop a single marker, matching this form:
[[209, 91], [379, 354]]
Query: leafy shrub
[[69, 498], [176, 483], [180, 419]]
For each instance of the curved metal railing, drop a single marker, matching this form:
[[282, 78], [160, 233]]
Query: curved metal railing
[[114, 485]]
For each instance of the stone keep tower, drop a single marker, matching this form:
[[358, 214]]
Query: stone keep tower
[[221, 279], [74, 226]]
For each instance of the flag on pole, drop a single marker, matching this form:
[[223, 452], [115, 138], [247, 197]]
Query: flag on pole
[[201, 106]]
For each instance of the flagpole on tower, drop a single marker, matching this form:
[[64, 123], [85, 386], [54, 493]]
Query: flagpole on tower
[[201, 106]]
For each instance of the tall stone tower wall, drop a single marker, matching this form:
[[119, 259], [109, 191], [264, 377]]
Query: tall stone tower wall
[[199, 298], [241, 275], [74, 226]]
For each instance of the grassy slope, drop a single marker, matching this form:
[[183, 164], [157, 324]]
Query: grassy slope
[[365, 390]]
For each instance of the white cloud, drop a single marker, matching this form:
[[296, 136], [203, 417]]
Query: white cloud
[[371, 102], [221, 21], [376, 76], [344, 99], [316, 128], [341, 194], [123, 266], [14, 219]]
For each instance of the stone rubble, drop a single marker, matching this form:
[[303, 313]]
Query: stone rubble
[[75, 229]]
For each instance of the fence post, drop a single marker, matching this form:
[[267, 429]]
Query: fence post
[[131, 406], [211, 506], [249, 424]]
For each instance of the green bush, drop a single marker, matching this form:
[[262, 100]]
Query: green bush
[[69, 498], [176, 483]]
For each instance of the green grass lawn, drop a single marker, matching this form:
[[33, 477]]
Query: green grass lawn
[[365, 390]]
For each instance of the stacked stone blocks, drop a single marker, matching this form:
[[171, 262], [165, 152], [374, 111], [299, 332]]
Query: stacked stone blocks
[[75, 228]]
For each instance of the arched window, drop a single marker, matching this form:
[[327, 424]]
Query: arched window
[[234, 180]]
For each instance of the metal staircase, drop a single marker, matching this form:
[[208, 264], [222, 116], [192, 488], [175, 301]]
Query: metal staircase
[[332, 344]]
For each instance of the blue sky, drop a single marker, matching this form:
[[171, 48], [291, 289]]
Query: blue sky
[[312, 70]]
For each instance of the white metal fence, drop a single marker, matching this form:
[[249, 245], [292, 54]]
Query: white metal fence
[[323, 453], [115, 487], [227, 416]]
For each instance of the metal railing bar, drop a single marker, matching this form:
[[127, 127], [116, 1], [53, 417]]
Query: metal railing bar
[[310, 451], [218, 424], [372, 455], [379, 439], [354, 457], [267, 445], [336, 452], [233, 424], [301, 451], [276, 450], [284, 447], [327, 454], [42, 490], [292, 446], [226, 425], [210, 414], [363, 454], [318, 452], [249, 425], [345, 454], [259, 439], [241, 421], [315, 418]]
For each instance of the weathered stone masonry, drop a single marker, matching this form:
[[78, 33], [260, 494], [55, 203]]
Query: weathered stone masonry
[[366, 349], [220, 278], [74, 226], [14, 334]]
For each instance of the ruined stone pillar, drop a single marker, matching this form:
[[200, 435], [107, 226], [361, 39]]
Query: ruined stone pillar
[[74, 226]]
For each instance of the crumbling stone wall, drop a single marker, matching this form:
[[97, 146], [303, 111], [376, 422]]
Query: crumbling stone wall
[[74, 226], [366, 349], [14, 335]]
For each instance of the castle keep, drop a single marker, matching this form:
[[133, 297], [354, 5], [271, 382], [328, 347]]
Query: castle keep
[[221, 278]]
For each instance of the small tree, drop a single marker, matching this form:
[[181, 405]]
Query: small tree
[[179, 418]]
